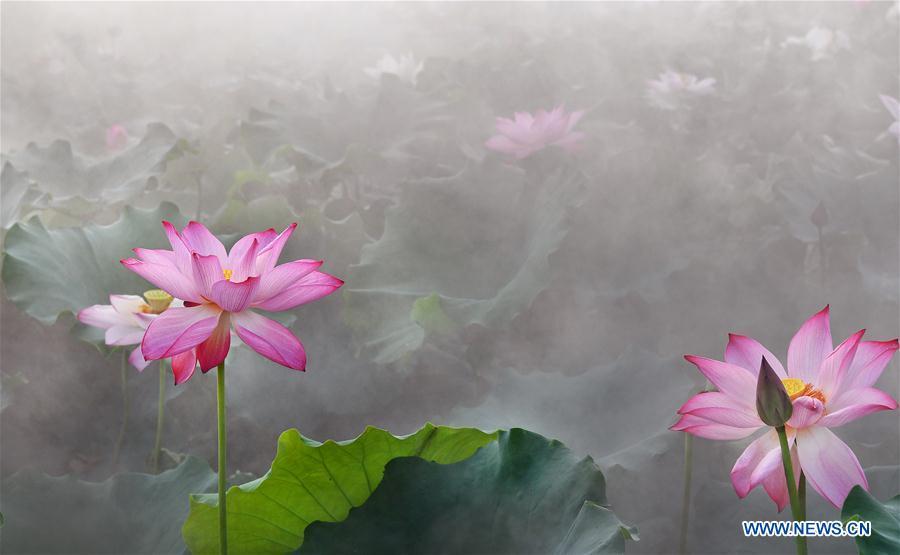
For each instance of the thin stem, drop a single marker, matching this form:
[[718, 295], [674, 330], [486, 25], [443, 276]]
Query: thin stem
[[125, 409], [223, 466], [160, 415], [686, 494], [796, 509], [801, 494]]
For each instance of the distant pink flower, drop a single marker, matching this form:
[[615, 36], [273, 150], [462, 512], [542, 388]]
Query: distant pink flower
[[116, 137], [828, 388], [126, 319], [893, 106], [671, 88], [218, 290], [527, 134]]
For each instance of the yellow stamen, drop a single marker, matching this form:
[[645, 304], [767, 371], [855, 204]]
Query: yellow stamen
[[158, 300], [796, 387], [227, 274]]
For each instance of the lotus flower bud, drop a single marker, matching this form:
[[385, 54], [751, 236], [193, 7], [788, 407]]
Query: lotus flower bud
[[773, 404]]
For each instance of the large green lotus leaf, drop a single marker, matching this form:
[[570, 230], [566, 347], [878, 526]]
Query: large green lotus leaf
[[520, 494], [128, 513], [50, 271], [885, 519], [475, 246], [311, 481]]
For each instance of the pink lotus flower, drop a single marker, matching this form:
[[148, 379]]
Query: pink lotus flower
[[218, 290], [126, 319], [828, 388], [527, 134], [116, 137], [893, 106]]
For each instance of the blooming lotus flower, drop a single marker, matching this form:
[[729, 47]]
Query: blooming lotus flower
[[126, 319], [407, 68], [219, 290], [821, 41], [893, 106], [672, 87], [526, 134], [828, 387], [116, 137]]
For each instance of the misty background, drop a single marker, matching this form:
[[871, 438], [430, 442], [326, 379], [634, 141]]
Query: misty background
[[556, 293]]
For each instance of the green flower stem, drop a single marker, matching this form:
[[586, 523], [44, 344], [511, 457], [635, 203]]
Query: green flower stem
[[223, 466], [801, 494], [160, 415], [125, 409], [686, 494], [796, 509]]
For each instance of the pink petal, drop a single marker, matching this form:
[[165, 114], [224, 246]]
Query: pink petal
[[127, 304], [183, 365], [201, 241], [504, 144], [749, 461], [835, 365], [775, 483], [244, 266], [180, 249], [178, 329], [207, 272], [234, 296], [868, 363], [281, 277], [829, 464], [270, 339], [701, 427], [100, 316], [166, 278], [136, 359], [213, 351], [807, 411], [809, 347], [128, 334], [270, 250], [308, 288], [731, 380], [718, 407], [517, 134], [856, 403], [157, 256], [748, 353]]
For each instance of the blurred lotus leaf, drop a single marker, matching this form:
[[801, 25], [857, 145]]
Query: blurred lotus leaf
[[312, 481], [885, 519], [478, 242], [127, 513]]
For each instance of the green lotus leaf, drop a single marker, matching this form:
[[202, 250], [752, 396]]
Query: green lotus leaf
[[50, 271], [442, 243], [520, 494], [311, 481], [128, 513], [885, 519]]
